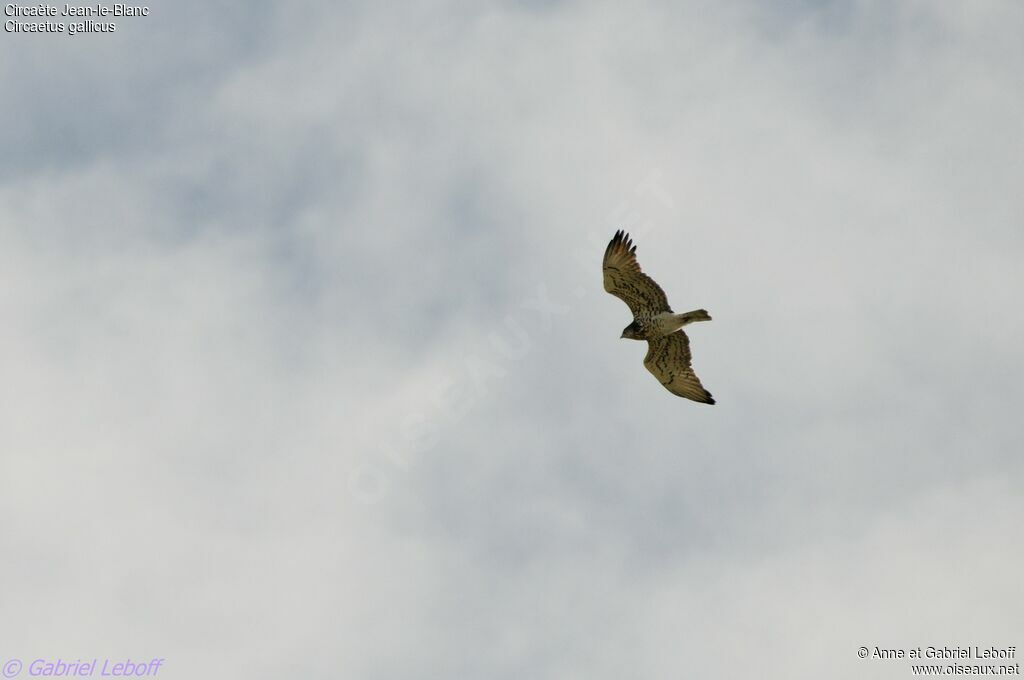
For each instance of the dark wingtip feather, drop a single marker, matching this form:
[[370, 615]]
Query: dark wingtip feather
[[621, 238]]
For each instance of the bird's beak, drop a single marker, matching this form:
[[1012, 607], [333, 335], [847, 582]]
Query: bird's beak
[[622, 336]]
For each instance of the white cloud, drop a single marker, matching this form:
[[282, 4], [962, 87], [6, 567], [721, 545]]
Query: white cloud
[[342, 241]]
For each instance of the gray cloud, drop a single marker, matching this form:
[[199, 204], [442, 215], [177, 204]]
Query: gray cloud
[[307, 368]]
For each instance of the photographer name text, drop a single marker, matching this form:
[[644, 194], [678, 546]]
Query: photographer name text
[[82, 668], [973, 652]]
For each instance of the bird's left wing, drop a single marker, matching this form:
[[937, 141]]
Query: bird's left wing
[[668, 360], [624, 280]]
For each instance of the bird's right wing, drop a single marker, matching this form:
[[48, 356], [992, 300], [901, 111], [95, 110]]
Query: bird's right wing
[[668, 360], [624, 280]]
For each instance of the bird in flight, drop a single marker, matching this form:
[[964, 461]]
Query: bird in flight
[[668, 348]]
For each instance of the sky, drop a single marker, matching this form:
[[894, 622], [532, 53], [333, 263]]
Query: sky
[[307, 368]]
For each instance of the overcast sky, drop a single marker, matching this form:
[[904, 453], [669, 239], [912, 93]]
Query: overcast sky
[[306, 368]]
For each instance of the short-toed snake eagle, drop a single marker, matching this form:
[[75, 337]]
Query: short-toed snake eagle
[[668, 348]]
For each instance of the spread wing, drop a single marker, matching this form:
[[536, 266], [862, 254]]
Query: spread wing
[[624, 280], [668, 360]]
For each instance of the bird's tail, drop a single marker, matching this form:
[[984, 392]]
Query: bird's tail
[[695, 315]]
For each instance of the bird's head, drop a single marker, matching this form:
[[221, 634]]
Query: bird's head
[[632, 332]]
